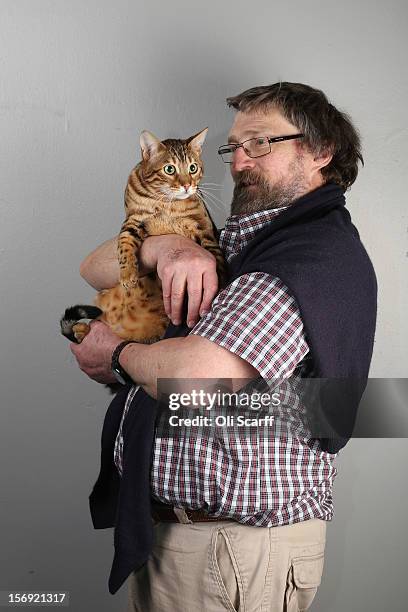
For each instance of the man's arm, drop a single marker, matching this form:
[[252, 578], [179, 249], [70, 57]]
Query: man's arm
[[181, 264], [192, 357], [100, 268], [254, 328]]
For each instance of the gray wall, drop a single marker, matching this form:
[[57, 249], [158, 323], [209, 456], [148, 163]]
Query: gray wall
[[79, 81]]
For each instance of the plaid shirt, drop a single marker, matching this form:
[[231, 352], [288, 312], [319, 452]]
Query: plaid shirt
[[260, 477]]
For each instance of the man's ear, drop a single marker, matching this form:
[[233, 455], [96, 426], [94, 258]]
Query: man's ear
[[323, 158]]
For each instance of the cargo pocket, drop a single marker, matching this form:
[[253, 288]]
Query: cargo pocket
[[304, 578], [226, 571]]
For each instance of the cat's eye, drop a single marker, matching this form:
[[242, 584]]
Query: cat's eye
[[193, 168], [169, 169]]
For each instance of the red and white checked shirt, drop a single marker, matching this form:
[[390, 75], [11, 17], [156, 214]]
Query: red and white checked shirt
[[254, 477]]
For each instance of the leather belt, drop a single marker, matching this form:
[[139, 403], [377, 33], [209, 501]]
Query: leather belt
[[169, 514]]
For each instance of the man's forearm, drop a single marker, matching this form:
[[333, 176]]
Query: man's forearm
[[101, 268], [145, 363], [188, 358]]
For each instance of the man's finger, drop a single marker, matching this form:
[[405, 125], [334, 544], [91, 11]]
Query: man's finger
[[166, 289], [74, 348], [178, 288], [195, 292], [210, 288]]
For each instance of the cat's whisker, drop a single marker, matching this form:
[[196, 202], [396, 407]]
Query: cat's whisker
[[162, 199], [205, 189], [218, 206], [208, 203], [211, 188], [213, 196], [170, 197], [163, 195], [215, 202]]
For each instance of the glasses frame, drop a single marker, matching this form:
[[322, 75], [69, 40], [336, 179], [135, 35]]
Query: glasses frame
[[270, 140]]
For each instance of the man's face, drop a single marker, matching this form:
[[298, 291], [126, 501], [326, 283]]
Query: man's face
[[274, 180]]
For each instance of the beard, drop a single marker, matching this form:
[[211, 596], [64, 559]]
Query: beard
[[253, 192]]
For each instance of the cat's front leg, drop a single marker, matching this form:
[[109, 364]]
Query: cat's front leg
[[130, 239]]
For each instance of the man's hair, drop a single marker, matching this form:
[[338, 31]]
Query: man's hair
[[326, 129]]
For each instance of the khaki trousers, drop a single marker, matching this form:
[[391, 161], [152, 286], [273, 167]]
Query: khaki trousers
[[224, 565]]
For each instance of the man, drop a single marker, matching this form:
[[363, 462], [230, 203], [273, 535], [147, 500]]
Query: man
[[242, 526]]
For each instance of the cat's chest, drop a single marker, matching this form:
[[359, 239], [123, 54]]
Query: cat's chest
[[167, 212]]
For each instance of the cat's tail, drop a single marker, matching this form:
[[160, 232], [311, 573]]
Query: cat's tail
[[77, 314]]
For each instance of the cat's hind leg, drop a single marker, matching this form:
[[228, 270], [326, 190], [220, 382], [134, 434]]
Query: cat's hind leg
[[80, 330]]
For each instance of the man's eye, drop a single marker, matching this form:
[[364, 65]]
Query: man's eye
[[260, 141]]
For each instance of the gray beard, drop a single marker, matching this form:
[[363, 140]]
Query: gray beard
[[263, 195]]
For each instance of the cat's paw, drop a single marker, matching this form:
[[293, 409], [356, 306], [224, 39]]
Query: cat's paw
[[80, 330], [129, 282]]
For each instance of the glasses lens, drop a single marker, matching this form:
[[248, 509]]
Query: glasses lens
[[255, 147], [226, 153]]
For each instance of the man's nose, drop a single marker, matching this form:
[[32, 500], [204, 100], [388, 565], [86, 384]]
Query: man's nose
[[241, 161]]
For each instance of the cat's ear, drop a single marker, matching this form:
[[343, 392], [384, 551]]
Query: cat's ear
[[150, 145], [196, 141]]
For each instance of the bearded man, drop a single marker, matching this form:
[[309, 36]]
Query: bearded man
[[243, 525]]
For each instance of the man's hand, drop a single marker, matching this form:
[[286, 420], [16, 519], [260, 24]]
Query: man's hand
[[184, 265], [94, 354], [181, 265]]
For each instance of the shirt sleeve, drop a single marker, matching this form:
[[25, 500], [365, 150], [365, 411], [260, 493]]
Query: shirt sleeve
[[257, 318]]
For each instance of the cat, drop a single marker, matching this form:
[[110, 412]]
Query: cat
[[161, 197]]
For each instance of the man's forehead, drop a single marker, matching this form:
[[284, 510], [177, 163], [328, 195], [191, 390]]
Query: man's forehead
[[247, 124]]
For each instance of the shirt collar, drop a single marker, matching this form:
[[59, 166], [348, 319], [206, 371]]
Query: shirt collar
[[240, 229]]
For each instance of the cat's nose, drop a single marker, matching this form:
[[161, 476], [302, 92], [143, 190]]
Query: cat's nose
[[187, 187]]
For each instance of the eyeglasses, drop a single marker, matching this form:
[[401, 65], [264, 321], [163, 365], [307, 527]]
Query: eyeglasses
[[253, 147]]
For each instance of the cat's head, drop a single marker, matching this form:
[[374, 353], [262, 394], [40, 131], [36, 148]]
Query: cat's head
[[172, 167]]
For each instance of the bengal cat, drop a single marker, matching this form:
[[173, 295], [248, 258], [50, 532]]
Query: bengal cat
[[161, 197]]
